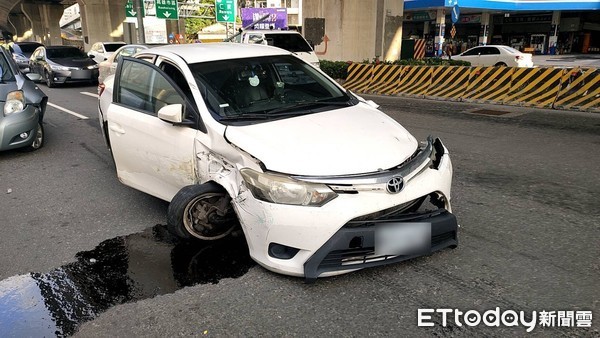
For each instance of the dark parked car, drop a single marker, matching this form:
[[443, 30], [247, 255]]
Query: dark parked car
[[63, 64], [21, 52], [22, 107]]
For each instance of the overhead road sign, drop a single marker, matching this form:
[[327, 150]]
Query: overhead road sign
[[225, 10], [167, 9], [130, 11]]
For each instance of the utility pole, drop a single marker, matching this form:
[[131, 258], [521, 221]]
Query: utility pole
[[139, 8]]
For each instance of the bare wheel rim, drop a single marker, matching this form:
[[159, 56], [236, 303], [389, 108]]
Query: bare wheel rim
[[209, 216], [39, 137]]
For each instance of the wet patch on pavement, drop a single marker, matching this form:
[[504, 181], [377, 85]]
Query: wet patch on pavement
[[119, 270]]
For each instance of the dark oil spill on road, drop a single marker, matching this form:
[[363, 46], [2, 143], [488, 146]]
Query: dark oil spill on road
[[119, 270]]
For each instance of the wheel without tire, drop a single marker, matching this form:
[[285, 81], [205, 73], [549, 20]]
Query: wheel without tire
[[201, 211], [38, 140]]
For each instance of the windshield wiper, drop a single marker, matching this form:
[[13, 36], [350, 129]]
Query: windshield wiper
[[286, 110], [244, 117]]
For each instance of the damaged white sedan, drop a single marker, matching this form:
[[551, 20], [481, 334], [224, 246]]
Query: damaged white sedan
[[320, 181]]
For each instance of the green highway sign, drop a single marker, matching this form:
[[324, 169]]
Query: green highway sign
[[225, 10], [167, 9], [130, 11]]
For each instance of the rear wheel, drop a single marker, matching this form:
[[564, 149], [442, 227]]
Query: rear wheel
[[201, 211], [500, 64]]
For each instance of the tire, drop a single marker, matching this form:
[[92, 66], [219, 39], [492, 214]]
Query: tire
[[500, 64], [38, 141], [49, 81], [201, 211]]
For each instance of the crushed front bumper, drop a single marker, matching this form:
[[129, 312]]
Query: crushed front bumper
[[353, 246]]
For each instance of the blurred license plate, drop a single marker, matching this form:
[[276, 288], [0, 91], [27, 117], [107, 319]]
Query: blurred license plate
[[81, 74], [402, 238]]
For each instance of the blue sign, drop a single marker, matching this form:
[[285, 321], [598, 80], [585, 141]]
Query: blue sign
[[455, 13]]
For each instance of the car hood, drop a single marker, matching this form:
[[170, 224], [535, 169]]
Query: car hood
[[74, 62], [344, 141]]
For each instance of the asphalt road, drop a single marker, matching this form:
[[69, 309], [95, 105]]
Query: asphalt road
[[525, 193]]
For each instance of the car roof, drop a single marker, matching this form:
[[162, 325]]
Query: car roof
[[60, 47], [202, 52]]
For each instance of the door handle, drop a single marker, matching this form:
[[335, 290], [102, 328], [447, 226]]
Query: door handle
[[116, 129]]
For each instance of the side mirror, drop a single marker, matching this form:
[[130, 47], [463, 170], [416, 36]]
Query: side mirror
[[34, 77], [171, 113]]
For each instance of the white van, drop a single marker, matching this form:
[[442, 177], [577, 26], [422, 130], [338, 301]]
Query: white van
[[289, 40]]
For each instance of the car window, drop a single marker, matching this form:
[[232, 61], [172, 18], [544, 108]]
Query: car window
[[5, 72], [291, 42], [127, 51], [492, 51], [70, 52], [27, 48], [143, 88], [474, 51], [255, 38]]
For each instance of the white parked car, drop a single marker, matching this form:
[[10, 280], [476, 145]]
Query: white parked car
[[291, 41], [495, 55], [108, 66], [101, 51], [320, 181]]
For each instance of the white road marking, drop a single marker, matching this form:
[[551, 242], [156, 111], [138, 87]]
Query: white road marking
[[89, 94], [68, 111]]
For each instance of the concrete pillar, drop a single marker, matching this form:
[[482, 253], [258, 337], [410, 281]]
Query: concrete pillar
[[50, 17], [484, 31], [392, 29], [440, 29], [23, 30], [32, 12], [101, 20], [553, 39]]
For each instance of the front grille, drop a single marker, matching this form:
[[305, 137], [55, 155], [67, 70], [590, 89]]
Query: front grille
[[353, 247], [367, 255], [416, 210]]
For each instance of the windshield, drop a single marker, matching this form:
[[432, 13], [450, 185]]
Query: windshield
[[291, 42], [26, 48], [69, 52], [111, 47], [265, 88]]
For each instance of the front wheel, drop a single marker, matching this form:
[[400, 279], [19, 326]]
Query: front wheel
[[201, 211], [49, 80], [38, 140]]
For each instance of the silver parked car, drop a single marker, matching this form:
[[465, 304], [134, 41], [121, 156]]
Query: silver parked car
[[22, 107]]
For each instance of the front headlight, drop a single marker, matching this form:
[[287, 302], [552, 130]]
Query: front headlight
[[15, 102], [284, 190]]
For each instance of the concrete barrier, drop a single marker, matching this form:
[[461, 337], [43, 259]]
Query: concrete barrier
[[359, 77], [448, 82], [414, 81], [385, 79], [488, 84], [580, 89], [535, 87]]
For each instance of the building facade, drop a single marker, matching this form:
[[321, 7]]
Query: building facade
[[536, 26]]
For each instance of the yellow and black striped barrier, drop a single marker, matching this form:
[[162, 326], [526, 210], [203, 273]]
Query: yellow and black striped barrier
[[385, 79], [359, 77], [488, 84], [536, 87], [448, 82], [414, 81], [419, 50], [580, 90]]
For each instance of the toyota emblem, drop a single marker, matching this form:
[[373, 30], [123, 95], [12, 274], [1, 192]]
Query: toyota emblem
[[395, 184]]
